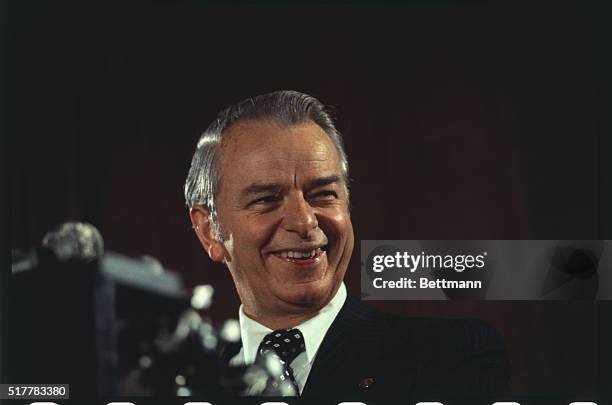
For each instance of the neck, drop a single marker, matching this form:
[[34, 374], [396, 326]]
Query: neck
[[280, 321], [285, 315]]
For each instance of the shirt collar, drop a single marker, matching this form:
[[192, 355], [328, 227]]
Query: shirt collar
[[313, 330]]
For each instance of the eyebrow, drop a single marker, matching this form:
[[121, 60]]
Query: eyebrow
[[256, 188], [260, 188], [324, 181]]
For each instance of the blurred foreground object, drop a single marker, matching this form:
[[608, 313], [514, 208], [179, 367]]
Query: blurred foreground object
[[76, 310], [75, 241], [71, 241], [111, 325]]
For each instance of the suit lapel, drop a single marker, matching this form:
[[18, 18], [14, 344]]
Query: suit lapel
[[352, 339]]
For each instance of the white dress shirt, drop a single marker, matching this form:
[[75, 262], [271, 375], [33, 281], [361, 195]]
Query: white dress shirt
[[313, 330]]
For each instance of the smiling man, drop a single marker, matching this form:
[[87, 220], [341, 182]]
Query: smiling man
[[268, 196], [285, 232]]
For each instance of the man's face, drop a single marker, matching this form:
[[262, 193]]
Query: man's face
[[283, 211]]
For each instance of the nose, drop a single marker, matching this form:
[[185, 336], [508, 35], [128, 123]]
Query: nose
[[299, 216]]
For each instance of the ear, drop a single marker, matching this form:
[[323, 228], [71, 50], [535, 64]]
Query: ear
[[203, 227]]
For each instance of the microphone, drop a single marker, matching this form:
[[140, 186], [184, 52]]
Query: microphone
[[71, 241], [75, 241]]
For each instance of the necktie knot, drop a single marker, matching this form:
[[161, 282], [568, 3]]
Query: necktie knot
[[286, 343]]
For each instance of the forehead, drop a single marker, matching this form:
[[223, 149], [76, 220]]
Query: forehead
[[262, 150]]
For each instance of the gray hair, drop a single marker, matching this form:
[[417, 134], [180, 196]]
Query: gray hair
[[285, 107]]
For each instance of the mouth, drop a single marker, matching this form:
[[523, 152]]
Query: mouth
[[301, 256]]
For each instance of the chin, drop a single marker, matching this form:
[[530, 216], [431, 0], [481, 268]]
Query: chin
[[312, 295]]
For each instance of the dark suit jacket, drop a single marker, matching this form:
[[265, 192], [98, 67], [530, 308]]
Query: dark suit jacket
[[367, 354], [396, 357]]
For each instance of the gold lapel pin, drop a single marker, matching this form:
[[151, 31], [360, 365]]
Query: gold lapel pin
[[366, 382]]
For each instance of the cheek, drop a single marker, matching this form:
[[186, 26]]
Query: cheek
[[254, 232], [337, 225], [340, 220]]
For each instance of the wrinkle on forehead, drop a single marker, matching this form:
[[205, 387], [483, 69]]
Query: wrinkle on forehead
[[287, 167], [322, 150], [281, 159]]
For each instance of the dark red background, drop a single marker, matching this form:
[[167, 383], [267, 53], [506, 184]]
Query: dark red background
[[472, 121]]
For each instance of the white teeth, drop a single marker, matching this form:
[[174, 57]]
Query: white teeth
[[292, 254]]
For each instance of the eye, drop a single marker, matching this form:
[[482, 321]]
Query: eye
[[325, 195], [268, 199]]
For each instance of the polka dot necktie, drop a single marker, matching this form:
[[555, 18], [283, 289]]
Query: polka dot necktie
[[277, 350]]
